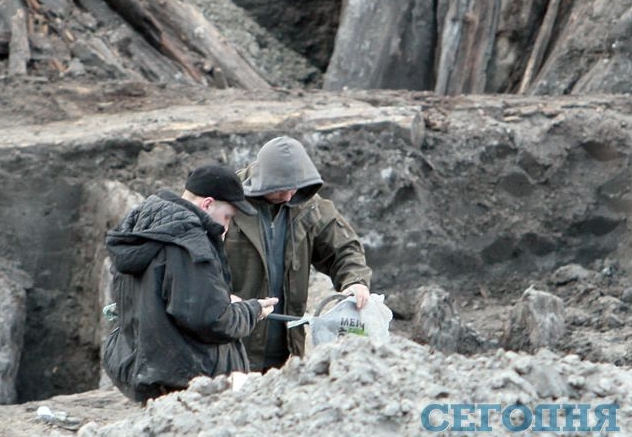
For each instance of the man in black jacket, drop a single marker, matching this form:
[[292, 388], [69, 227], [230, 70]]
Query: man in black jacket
[[172, 289]]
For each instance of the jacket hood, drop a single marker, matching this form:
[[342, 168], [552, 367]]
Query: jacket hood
[[159, 220], [283, 164]]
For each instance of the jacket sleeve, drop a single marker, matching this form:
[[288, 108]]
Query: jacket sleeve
[[197, 297], [338, 251]]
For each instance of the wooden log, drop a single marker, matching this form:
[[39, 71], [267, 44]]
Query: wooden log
[[383, 44], [143, 21], [541, 44], [441, 13], [146, 59], [19, 50], [467, 44], [152, 64], [33, 5], [102, 13], [189, 24], [97, 53]]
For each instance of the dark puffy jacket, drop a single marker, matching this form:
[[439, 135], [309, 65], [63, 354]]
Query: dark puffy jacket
[[172, 288]]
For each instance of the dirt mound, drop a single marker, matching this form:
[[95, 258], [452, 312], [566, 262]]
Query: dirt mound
[[358, 387], [280, 65]]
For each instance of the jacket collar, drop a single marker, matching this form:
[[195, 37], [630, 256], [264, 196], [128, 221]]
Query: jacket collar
[[213, 228]]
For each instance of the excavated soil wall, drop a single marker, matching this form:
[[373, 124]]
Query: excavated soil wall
[[470, 193]]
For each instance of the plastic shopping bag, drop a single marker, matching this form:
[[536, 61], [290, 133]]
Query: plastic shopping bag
[[373, 320]]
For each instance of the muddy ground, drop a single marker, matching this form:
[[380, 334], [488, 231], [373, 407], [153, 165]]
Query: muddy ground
[[436, 215]]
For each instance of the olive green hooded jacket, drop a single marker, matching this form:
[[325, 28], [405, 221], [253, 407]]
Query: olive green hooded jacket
[[317, 234]]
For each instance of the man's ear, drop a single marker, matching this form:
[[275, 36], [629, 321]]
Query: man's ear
[[206, 202]]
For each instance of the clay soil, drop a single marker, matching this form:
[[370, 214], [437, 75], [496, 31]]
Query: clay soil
[[26, 103]]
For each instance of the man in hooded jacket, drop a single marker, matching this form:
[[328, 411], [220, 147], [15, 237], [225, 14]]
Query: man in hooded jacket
[[270, 254], [172, 289]]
